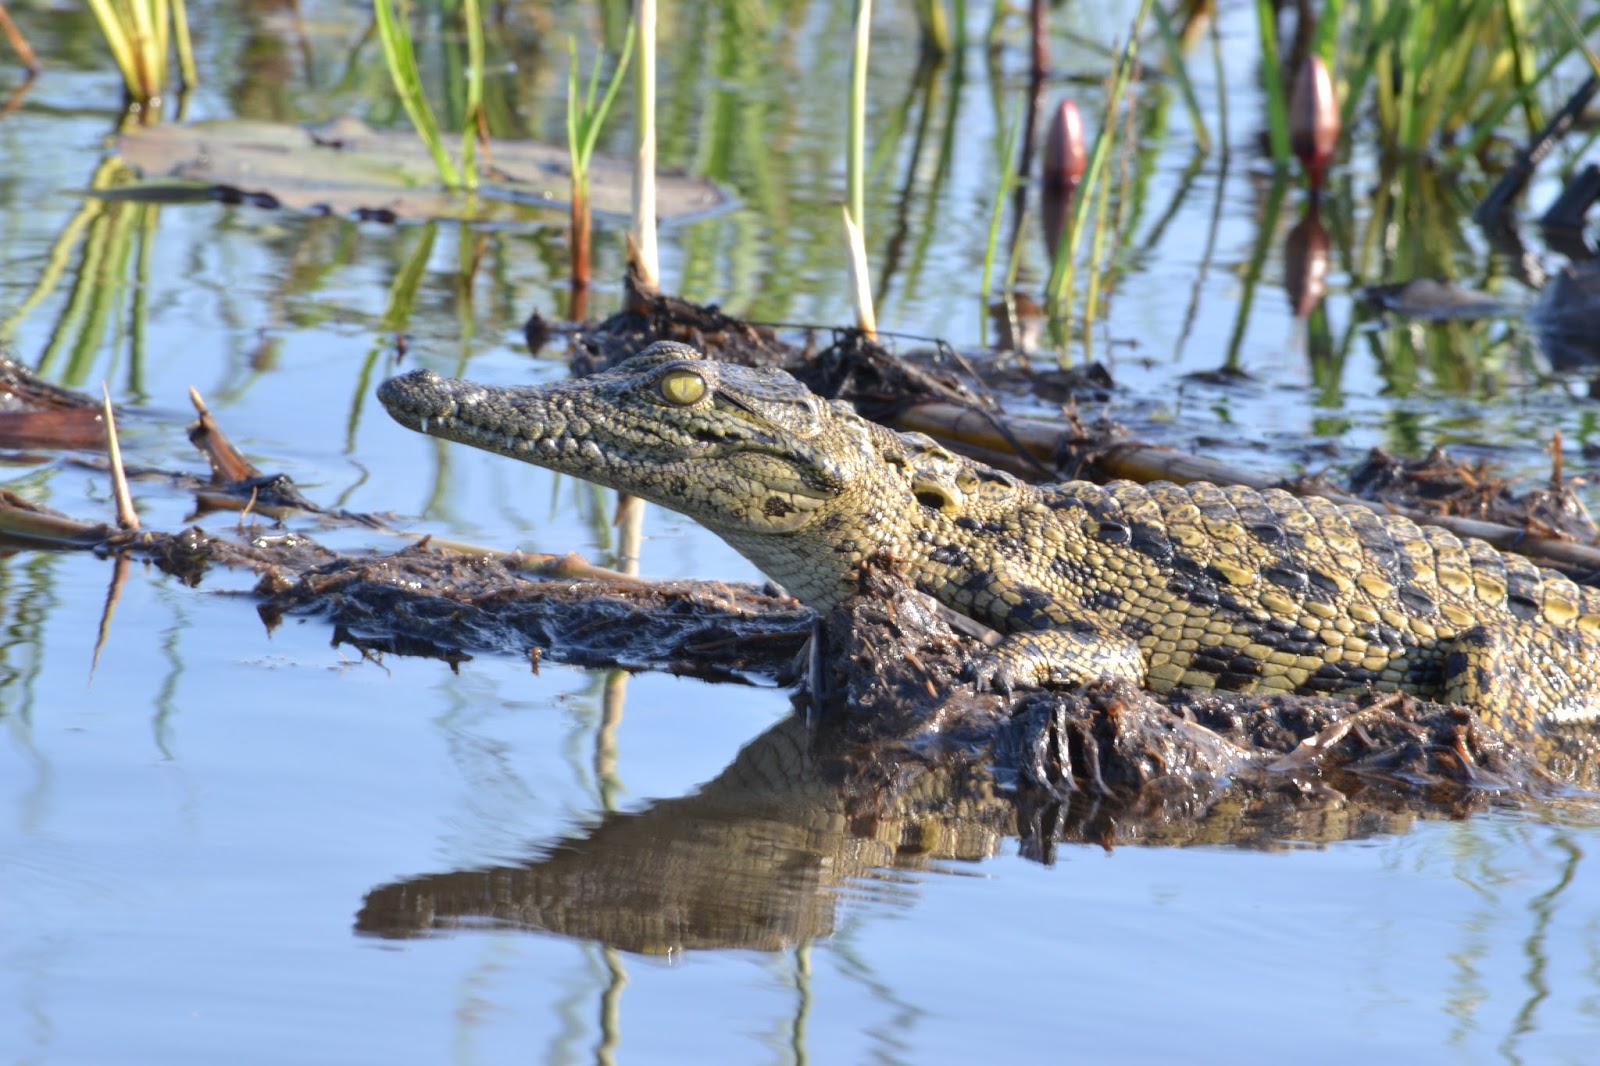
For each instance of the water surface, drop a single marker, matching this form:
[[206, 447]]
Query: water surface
[[191, 825]]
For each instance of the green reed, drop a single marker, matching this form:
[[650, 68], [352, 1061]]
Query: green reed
[[400, 55], [1005, 183], [942, 32], [1440, 78], [1180, 73], [1058, 290], [586, 115], [1272, 74], [1556, 54], [141, 35]]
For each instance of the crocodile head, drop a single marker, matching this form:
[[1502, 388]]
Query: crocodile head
[[743, 451]]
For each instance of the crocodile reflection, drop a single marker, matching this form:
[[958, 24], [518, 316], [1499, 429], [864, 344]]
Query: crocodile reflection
[[763, 855], [755, 858]]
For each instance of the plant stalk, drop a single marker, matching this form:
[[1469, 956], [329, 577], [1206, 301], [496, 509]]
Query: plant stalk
[[645, 252]]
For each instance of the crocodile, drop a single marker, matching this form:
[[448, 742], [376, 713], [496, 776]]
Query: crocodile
[[1203, 585]]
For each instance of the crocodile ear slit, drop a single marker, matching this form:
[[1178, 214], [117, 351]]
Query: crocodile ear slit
[[731, 400], [932, 495]]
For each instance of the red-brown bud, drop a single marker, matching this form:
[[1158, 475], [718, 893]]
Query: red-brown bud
[[1065, 151], [1314, 119]]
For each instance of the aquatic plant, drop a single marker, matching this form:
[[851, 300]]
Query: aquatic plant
[[1172, 41], [141, 35], [855, 171], [1005, 182], [1436, 79], [1065, 157], [1314, 119], [19, 43], [585, 116], [1438, 68], [938, 38], [642, 257], [1272, 76], [642, 235], [1058, 290], [400, 55]]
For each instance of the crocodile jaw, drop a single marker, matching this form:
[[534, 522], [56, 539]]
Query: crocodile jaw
[[778, 473]]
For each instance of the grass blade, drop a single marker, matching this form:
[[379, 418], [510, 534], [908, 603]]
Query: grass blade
[[401, 57]]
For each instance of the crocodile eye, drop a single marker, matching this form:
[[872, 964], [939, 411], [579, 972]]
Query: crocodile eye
[[682, 387]]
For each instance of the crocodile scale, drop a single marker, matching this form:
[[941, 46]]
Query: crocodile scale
[[1199, 585]]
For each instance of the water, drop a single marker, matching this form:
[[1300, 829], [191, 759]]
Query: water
[[191, 824]]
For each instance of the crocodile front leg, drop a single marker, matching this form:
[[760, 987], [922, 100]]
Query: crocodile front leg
[[1044, 640], [1078, 652], [1519, 682]]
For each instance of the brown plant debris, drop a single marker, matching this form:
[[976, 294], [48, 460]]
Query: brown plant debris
[[346, 168], [444, 605], [851, 367], [237, 484], [1440, 484], [24, 523], [35, 414]]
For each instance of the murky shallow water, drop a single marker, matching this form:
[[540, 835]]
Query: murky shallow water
[[189, 828]]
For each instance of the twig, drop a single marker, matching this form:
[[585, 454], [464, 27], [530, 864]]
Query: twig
[[19, 44], [543, 564], [24, 520], [228, 464], [127, 517]]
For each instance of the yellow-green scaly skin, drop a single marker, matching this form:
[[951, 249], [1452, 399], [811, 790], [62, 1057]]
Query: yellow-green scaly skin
[[1198, 585]]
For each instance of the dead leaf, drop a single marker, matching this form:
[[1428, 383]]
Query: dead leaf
[[347, 168]]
